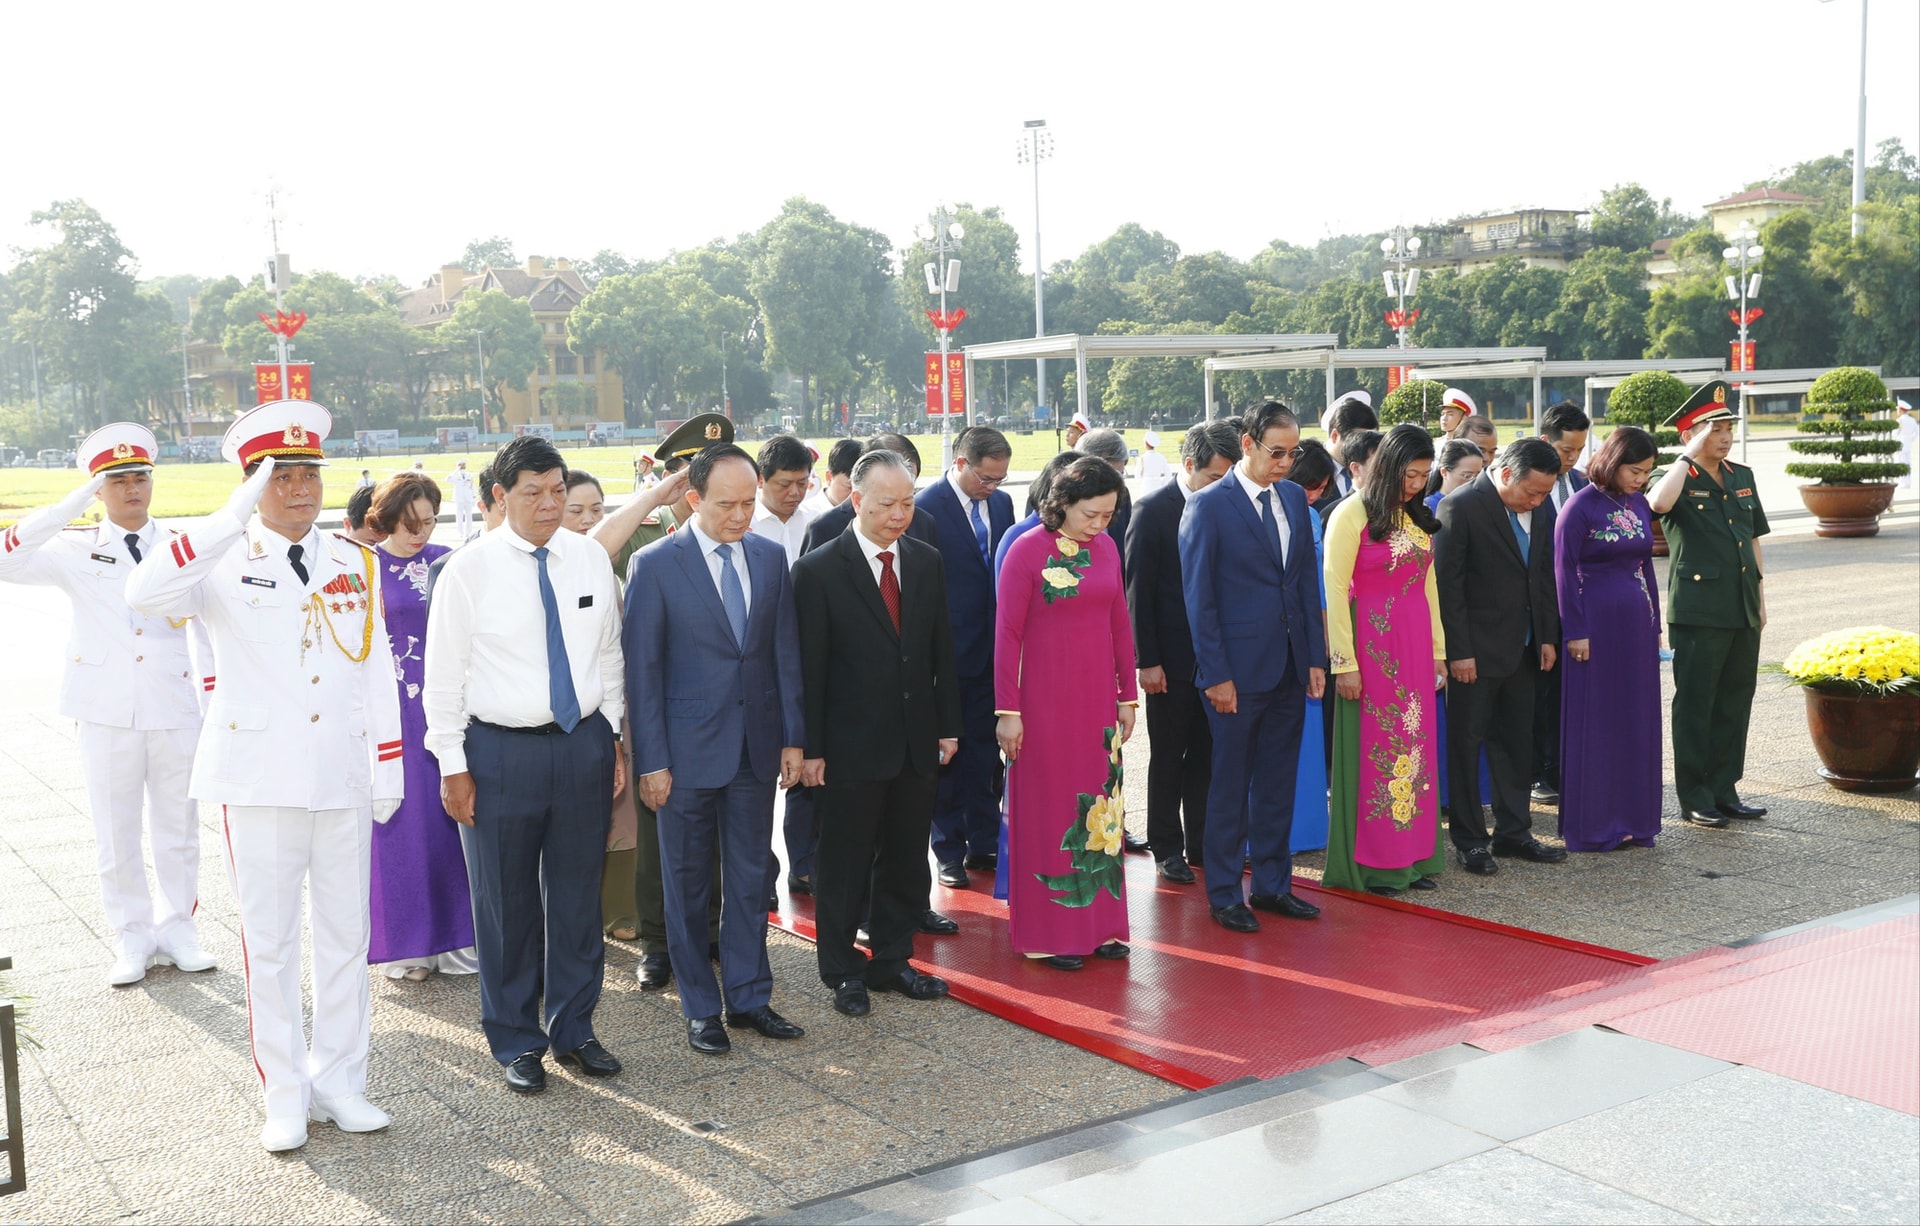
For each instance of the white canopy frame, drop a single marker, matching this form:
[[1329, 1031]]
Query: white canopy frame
[[1336, 359], [1208, 345], [1746, 382], [1541, 369]]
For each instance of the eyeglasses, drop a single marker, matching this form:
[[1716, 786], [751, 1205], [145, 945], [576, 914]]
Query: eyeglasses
[[1276, 452], [990, 483]]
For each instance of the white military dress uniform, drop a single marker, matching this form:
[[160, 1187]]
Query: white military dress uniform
[[133, 686], [301, 749], [464, 493]]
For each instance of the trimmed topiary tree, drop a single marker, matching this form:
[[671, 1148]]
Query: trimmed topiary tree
[[1840, 406], [1645, 400], [1417, 401]]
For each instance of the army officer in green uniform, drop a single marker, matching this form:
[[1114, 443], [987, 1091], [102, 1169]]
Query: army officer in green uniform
[[1716, 607]]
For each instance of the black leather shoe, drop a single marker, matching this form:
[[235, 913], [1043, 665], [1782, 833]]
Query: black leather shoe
[[911, 984], [527, 1075], [656, 972], [1546, 794], [935, 924], [592, 1059], [1712, 819], [1290, 905], [1532, 849], [953, 875], [1424, 883], [1235, 918], [1384, 891], [707, 1036], [1177, 870], [850, 998], [800, 886], [1133, 844], [1113, 951], [1479, 860], [982, 861], [1065, 962], [1749, 812], [773, 903], [770, 1024]]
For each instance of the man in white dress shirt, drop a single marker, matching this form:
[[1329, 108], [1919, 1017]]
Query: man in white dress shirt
[[839, 483], [463, 499], [301, 748], [780, 514], [524, 693], [134, 689]]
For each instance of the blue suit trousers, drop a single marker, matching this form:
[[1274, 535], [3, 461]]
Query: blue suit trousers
[[1256, 758], [734, 822]]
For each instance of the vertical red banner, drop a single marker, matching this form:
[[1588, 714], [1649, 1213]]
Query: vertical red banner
[[266, 381], [1394, 376], [933, 384], [1742, 355], [955, 401]]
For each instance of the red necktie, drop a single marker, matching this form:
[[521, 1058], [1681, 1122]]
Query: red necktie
[[890, 587]]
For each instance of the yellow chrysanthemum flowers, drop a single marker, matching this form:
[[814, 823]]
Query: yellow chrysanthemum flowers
[[1872, 658]]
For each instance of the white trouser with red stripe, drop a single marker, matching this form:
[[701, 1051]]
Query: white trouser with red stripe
[[270, 852], [124, 767]]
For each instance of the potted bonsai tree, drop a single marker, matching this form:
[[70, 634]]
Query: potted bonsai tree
[[1863, 705], [1847, 495], [1646, 400]]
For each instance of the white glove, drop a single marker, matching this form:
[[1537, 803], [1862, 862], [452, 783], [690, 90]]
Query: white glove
[[69, 508], [241, 505], [383, 810]]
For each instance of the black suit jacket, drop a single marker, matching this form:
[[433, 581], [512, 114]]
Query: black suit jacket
[[1119, 525], [830, 525], [1489, 597], [878, 702], [1161, 638], [970, 578]]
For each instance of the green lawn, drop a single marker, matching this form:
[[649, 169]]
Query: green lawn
[[187, 490]]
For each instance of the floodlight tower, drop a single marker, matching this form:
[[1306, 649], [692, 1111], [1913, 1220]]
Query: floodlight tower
[[1036, 147], [1402, 282]]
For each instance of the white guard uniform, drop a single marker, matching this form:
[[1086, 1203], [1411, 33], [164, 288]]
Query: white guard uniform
[[464, 493], [133, 686], [301, 745]]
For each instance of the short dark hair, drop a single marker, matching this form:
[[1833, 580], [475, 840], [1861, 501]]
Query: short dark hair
[[486, 487], [1264, 417], [1037, 490], [527, 454], [703, 464], [1351, 415], [579, 476], [1525, 456], [982, 443], [1358, 446], [1209, 439], [783, 453], [1626, 445], [1454, 450], [393, 499], [840, 457], [1563, 417], [1089, 476], [899, 444], [358, 503], [1315, 466], [1380, 493]]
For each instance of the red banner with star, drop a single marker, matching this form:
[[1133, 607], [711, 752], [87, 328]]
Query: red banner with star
[[955, 401], [266, 381]]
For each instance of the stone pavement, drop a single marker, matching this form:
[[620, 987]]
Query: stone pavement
[[141, 1102]]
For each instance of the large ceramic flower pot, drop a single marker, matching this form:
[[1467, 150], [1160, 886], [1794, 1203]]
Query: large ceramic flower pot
[[1866, 744], [1847, 510]]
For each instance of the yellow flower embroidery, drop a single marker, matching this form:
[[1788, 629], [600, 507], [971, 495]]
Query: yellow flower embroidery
[[1400, 789], [1060, 576], [1403, 767], [1403, 813], [1105, 824]]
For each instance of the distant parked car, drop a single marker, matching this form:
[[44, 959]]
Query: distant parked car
[[51, 457]]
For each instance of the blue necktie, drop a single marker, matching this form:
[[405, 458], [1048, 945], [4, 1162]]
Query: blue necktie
[[1520, 535], [560, 696], [733, 596], [980, 533], [1272, 526]]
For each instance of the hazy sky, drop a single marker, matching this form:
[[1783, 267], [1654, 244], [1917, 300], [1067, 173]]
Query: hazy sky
[[400, 130]]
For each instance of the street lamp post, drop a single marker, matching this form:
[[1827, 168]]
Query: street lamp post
[[480, 374], [942, 234], [1743, 286], [1402, 282], [186, 385], [1036, 147]]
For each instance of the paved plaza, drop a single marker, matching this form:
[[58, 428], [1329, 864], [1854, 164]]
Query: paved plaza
[[141, 1103]]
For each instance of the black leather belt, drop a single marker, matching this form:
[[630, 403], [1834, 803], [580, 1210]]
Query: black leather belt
[[539, 730]]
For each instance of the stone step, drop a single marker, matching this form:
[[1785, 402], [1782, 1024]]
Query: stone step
[[980, 1180]]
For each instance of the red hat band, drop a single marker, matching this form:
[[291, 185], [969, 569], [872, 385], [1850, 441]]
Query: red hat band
[[294, 442], [120, 455]]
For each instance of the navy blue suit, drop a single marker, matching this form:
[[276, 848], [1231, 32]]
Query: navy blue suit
[[966, 813], [1257, 623], [716, 713]]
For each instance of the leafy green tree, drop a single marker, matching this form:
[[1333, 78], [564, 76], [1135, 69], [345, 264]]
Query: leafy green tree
[[1850, 407], [1602, 312], [495, 252], [1129, 254], [209, 322], [997, 296], [812, 281], [78, 303], [1139, 390], [1803, 303], [1206, 288], [1628, 218], [1879, 278], [512, 341]]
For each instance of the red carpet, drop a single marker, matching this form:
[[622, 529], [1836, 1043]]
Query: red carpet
[[1372, 978]]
